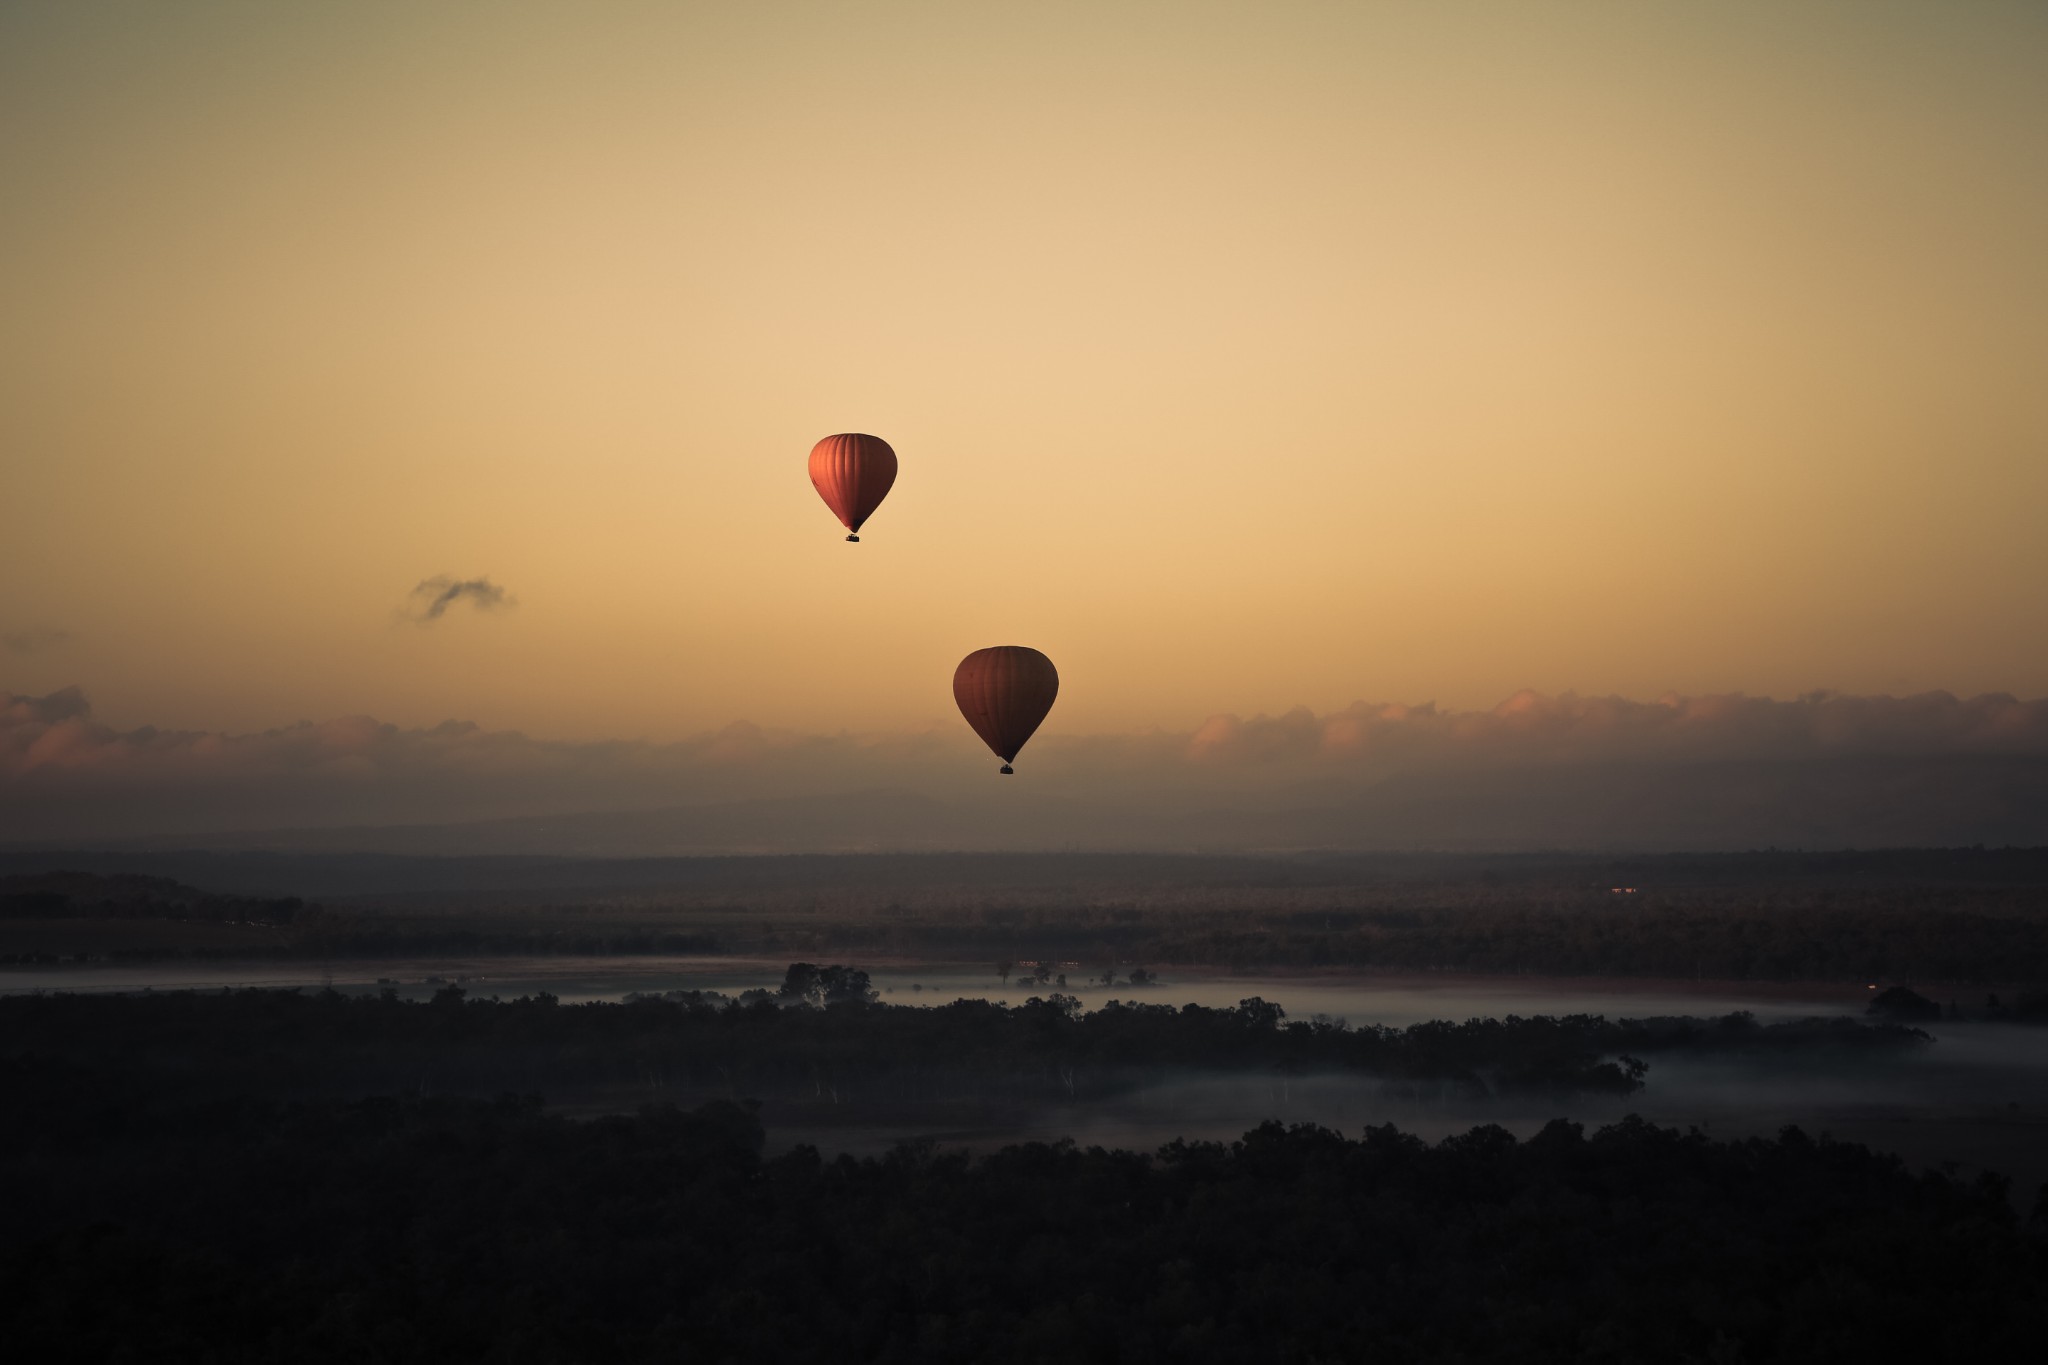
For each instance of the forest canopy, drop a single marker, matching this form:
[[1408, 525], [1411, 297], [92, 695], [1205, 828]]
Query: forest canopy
[[425, 1230]]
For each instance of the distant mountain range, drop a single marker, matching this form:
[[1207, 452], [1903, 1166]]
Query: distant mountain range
[[1862, 802]]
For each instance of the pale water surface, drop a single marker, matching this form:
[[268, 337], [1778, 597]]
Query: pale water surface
[[1360, 998]]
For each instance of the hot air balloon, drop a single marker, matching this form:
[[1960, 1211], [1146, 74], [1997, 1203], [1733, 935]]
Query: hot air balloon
[[852, 473], [1005, 692]]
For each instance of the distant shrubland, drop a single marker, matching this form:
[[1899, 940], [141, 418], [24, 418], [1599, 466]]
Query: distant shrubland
[[81, 895], [1957, 915]]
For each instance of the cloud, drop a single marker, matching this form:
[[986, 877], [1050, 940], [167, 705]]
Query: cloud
[[1535, 771], [432, 598], [1530, 728], [24, 715], [29, 641]]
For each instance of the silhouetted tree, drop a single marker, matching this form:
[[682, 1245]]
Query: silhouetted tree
[[1904, 1005], [800, 983]]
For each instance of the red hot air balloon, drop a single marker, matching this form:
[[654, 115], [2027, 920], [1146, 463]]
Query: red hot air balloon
[[852, 474], [1005, 692]]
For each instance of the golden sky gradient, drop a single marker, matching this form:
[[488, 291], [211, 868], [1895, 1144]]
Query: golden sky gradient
[[1237, 357]]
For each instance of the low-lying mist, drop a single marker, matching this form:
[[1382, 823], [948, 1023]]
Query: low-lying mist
[[1976, 1097]]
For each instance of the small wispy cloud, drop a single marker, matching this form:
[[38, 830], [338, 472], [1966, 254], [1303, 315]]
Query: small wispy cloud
[[29, 641], [431, 600]]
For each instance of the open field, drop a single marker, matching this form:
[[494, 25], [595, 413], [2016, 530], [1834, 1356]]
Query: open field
[[1953, 916]]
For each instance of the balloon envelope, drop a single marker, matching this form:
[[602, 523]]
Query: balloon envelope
[[1005, 692], [852, 473]]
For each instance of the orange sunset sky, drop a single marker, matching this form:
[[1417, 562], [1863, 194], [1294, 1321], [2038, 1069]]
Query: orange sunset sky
[[1238, 356]]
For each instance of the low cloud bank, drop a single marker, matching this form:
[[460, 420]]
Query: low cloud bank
[[1535, 771], [1531, 728]]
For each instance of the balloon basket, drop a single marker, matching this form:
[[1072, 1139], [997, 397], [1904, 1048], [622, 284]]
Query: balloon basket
[[854, 539], [1006, 768]]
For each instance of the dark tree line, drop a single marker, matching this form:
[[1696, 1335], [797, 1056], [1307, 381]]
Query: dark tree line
[[407, 1230], [823, 1031]]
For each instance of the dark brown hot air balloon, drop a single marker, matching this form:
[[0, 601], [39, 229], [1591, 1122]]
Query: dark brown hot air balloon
[[852, 473], [1005, 692]]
